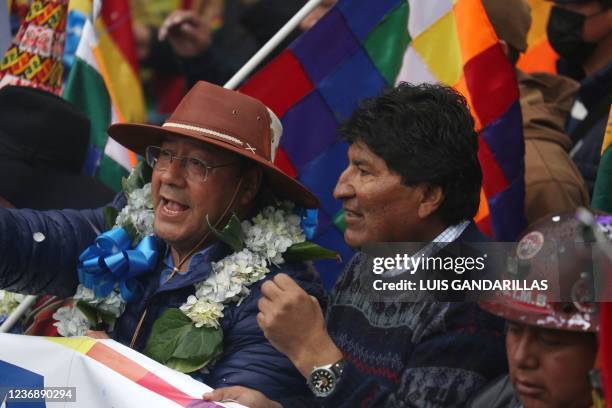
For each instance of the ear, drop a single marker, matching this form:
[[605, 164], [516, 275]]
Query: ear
[[431, 199], [251, 181]]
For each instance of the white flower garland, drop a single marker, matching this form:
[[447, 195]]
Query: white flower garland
[[267, 236], [139, 213]]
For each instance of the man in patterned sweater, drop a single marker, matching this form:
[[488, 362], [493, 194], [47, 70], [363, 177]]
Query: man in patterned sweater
[[413, 175]]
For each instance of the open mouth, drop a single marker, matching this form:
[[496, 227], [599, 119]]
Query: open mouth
[[171, 207]]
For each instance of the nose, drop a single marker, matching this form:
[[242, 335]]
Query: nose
[[344, 189], [174, 174], [524, 354]]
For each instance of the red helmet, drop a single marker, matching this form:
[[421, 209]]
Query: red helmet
[[553, 249]]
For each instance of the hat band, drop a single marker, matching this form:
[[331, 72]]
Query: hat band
[[204, 130]]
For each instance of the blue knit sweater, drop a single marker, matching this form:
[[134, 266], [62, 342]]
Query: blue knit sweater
[[402, 354]]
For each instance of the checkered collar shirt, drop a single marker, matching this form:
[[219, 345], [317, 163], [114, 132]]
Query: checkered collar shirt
[[450, 234]]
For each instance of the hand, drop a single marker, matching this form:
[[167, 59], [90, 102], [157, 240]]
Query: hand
[[293, 322], [316, 14], [187, 33], [245, 396], [95, 334]]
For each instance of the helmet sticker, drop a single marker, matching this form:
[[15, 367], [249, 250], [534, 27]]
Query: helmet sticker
[[530, 245]]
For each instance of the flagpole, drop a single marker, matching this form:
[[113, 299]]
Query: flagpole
[[17, 313], [272, 43]]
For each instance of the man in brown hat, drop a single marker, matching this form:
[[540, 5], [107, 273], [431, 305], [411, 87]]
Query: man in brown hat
[[212, 158]]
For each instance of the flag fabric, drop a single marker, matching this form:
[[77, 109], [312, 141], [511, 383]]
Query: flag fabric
[[604, 353], [103, 373], [86, 89], [539, 56], [105, 62], [35, 57], [602, 193], [358, 48]]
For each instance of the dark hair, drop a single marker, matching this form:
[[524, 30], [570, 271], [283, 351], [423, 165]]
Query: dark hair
[[265, 196], [425, 133]]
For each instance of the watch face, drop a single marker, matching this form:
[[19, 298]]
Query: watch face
[[323, 381]]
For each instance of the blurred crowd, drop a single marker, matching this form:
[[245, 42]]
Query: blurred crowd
[[374, 355]]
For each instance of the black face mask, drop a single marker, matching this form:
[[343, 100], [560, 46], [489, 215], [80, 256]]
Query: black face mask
[[565, 35]]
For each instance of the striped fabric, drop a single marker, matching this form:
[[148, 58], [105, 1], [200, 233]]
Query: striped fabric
[[103, 373], [602, 194], [118, 95], [358, 48]]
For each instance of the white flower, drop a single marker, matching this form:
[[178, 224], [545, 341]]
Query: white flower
[[138, 211], [229, 276], [272, 232], [85, 294], [219, 286], [267, 236], [113, 303], [70, 321], [9, 301], [141, 197], [203, 312]]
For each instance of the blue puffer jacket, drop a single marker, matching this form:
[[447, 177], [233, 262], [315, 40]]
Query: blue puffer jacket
[[49, 266]]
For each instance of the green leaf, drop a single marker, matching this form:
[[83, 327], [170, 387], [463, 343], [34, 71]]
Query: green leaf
[[167, 331], [110, 216], [309, 251], [231, 234], [130, 229], [186, 365], [140, 176], [92, 314], [201, 341], [177, 343], [89, 312], [185, 357]]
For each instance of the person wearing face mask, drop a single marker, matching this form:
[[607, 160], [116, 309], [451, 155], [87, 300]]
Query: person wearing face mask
[[551, 346], [553, 183], [581, 33]]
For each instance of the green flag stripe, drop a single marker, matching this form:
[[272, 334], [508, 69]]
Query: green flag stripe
[[602, 194], [86, 90], [339, 221], [387, 43], [110, 173]]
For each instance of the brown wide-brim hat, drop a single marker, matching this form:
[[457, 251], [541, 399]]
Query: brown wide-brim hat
[[226, 119]]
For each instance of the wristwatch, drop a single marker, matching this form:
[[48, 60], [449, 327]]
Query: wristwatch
[[322, 380]]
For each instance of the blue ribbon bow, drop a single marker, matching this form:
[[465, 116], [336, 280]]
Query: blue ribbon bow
[[110, 261]]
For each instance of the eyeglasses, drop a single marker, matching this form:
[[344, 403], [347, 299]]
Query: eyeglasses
[[195, 169]]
